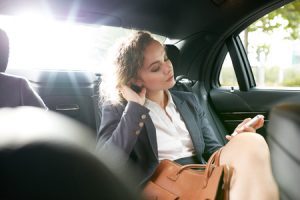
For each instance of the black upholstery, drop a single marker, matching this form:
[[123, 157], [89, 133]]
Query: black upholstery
[[50, 156], [14, 91], [284, 142], [173, 54]]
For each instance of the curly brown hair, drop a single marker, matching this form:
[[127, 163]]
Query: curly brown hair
[[130, 56], [127, 61]]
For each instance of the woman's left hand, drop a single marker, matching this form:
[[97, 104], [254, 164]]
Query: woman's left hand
[[243, 127]]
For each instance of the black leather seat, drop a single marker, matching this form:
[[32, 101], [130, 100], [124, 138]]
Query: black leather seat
[[284, 142], [50, 156], [173, 54], [14, 90]]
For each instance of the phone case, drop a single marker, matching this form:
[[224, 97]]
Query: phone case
[[136, 88]]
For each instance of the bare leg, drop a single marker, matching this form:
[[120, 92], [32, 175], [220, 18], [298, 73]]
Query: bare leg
[[252, 178]]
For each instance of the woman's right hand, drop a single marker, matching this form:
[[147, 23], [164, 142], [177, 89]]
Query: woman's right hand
[[131, 95]]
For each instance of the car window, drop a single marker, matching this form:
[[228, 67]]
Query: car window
[[227, 74], [272, 44], [38, 43]]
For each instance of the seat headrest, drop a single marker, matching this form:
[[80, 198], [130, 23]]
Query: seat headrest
[[284, 142], [4, 50], [173, 54]]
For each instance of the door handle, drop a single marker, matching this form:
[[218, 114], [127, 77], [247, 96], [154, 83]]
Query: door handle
[[67, 107]]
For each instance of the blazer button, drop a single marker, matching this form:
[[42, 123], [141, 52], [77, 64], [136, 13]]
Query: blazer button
[[143, 116], [138, 132], [141, 124]]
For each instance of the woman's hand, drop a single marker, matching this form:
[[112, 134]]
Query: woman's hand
[[131, 95], [245, 127]]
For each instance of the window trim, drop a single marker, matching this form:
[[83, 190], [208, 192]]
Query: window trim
[[246, 62], [240, 63]]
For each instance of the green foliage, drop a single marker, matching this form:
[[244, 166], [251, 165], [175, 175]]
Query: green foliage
[[292, 77], [290, 13], [228, 77], [271, 75]]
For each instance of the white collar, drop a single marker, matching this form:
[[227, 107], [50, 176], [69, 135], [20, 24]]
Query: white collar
[[169, 103]]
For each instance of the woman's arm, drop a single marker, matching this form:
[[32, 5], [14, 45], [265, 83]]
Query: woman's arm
[[120, 127]]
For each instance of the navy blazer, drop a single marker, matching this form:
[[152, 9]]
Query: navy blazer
[[129, 127]]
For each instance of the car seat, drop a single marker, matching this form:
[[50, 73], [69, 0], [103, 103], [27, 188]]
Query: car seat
[[45, 155], [284, 141], [14, 91]]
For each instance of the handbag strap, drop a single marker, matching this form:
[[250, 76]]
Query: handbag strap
[[213, 161], [191, 166], [215, 158]]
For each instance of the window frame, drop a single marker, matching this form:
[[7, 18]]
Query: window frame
[[240, 62], [243, 72]]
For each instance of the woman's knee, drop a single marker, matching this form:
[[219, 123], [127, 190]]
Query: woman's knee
[[250, 147], [250, 140]]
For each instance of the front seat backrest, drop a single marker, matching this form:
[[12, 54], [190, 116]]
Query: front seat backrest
[[284, 142], [46, 155]]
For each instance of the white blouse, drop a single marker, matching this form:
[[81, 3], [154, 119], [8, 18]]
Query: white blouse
[[173, 138]]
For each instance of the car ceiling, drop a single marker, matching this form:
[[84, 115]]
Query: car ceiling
[[172, 18]]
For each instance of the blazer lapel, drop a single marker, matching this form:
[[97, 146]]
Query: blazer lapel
[[189, 119]]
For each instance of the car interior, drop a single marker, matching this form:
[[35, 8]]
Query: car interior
[[198, 35]]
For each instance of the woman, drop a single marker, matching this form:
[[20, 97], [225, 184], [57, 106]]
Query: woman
[[155, 123]]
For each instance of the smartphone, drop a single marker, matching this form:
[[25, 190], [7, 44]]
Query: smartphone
[[136, 88], [250, 122], [254, 120]]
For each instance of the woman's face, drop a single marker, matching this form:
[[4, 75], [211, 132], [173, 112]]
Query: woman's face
[[157, 71]]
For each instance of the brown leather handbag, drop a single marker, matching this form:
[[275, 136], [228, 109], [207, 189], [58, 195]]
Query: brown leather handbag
[[190, 182]]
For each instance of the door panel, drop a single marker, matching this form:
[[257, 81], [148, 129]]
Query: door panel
[[234, 106]]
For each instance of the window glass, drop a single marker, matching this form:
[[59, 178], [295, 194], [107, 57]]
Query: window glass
[[227, 74], [273, 47], [38, 43]]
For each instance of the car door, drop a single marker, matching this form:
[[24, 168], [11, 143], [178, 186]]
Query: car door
[[251, 78]]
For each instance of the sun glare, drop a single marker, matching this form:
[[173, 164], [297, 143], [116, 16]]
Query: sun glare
[[39, 42]]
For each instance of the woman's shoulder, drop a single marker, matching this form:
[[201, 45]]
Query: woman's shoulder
[[112, 106], [110, 103], [184, 95], [189, 97]]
